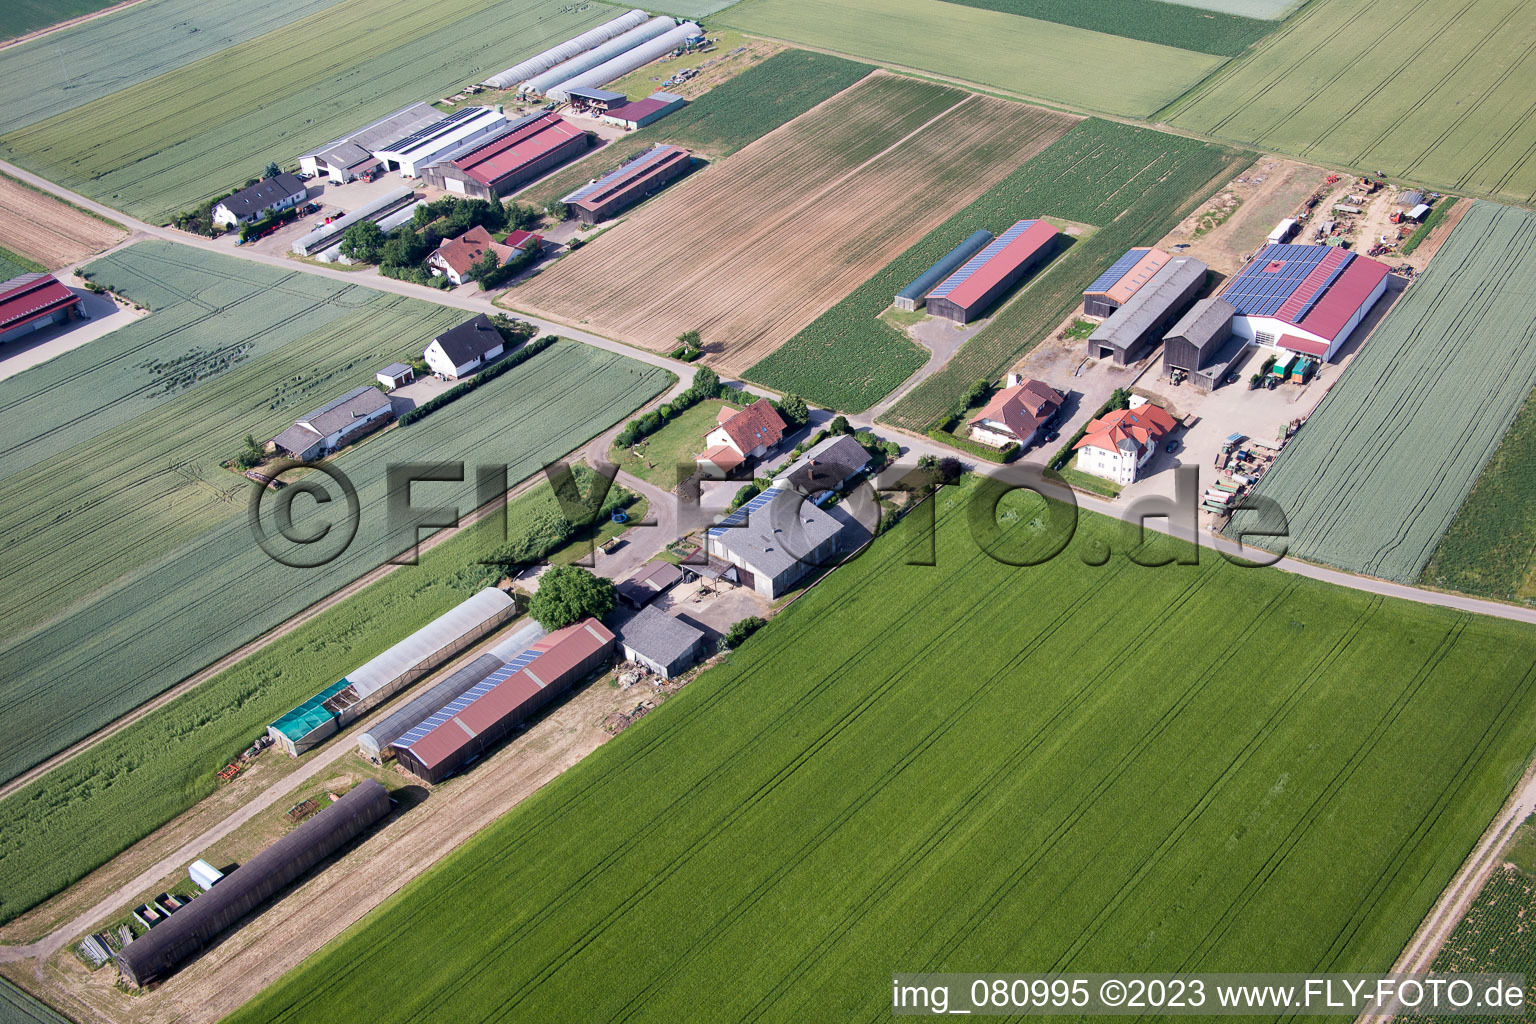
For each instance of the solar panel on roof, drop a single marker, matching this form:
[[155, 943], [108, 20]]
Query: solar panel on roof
[[981, 259], [1116, 271], [436, 128], [447, 712], [637, 164], [1274, 274], [740, 516], [1333, 275]]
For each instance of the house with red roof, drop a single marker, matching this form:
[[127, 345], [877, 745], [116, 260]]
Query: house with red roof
[[739, 435], [1017, 413], [455, 258], [1119, 443], [32, 302], [1304, 298]]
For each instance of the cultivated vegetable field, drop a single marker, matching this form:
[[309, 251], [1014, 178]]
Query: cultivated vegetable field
[[1377, 474], [274, 96], [1272, 10], [1417, 90], [1152, 21], [1065, 64], [750, 252], [1133, 184], [47, 230], [17, 1007], [1496, 935], [840, 800]]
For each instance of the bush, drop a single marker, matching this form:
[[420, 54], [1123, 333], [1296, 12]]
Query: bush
[[363, 241], [557, 211], [793, 409], [839, 425], [492, 276], [568, 594], [738, 632], [255, 228], [746, 494], [493, 371]]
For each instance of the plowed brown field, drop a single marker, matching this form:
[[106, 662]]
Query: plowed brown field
[[751, 251], [51, 232]]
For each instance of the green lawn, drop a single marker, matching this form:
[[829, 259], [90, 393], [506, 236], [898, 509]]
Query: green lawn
[[655, 459], [1088, 482], [970, 766]]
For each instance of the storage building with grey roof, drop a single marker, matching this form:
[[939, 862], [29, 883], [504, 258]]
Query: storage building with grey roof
[[1131, 331]]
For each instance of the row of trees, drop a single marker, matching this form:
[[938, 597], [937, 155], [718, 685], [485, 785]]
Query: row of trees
[[400, 254]]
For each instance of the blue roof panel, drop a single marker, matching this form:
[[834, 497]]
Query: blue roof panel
[[640, 162], [738, 517], [1258, 290], [955, 257], [468, 697], [981, 259], [1117, 270]]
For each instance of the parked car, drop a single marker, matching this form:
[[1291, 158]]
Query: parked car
[[309, 208], [1053, 435], [1171, 447]]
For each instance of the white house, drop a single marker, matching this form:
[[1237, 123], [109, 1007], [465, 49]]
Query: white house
[[263, 198], [1304, 298], [336, 423], [740, 435], [1119, 443], [395, 375], [1016, 413], [465, 349]]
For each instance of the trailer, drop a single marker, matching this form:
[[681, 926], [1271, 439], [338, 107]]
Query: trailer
[[1282, 367]]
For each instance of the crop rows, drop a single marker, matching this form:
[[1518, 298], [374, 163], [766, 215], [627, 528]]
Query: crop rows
[[837, 798], [1414, 90], [47, 230], [17, 1007], [1376, 476], [1133, 184], [750, 252], [1151, 21], [1496, 936], [274, 96]]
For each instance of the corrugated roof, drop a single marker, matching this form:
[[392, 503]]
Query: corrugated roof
[[338, 413], [30, 296], [968, 284], [507, 153], [1206, 320], [1130, 323], [1273, 276], [1317, 288], [641, 109], [377, 673], [775, 531], [929, 279], [1331, 311], [659, 637], [623, 174]]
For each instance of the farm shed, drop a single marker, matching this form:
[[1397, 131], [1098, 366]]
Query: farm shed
[[395, 375], [1284, 230], [1304, 298], [337, 423], [194, 928], [629, 60], [648, 582], [1202, 344], [1017, 413], [596, 100], [375, 743], [643, 112], [327, 235], [825, 467], [913, 295], [483, 715], [508, 158], [544, 81], [204, 875], [779, 537], [1131, 330], [1419, 212], [541, 62], [349, 156], [1413, 198], [465, 348], [662, 643], [619, 189], [410, 153], [269, 196], [1113, 288], [32, 302], [970, 291], [379, 679]]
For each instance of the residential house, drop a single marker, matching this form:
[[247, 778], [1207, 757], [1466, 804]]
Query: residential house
[[825, 468], [1017, 414], [739, 435], [465, 349], [456, 258], [336, 424], [1119, 443], [263, 198]]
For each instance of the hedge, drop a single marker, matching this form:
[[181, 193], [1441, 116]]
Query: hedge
[[1121, 399]]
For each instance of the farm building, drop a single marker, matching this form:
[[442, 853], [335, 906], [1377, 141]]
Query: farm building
[[455, 258], [739, 435], [328, 236], [1202, 344], [204, 875], [602, 53], [509, 697], [662, 643], [1304, 298], [465, 348], [412, 152], [776, 539], [1017, 413], [194, 928], [379, 679], [395, 375], [1131, 331], [507, 159], [32, 302], [596, 101], [649, 582], [336, 424], [915, 294], [266, 197], [1113, 288], [622, 64], [1418, 213], [825, 467], [1119, 443], [541, 62], [643, 112], [350, 156], [619, 189], [375, 743], [1285, 230], [970, 291]]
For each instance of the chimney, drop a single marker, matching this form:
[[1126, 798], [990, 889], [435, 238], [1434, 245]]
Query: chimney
[[1014, 380]]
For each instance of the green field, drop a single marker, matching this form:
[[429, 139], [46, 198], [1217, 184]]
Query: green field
[[1132, 184], [1064, 64], [1151, 21], [13, 264], [91, 60], [1271, 10], [1415, 90], [274, 96], [733, 114], [655, 459], [1375, 478], [17, 1007], [1496, 936], [891, 777]]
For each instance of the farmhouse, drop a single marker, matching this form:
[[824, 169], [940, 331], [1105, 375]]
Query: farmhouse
[[825, 467], [455, 258], [643, 112], [970, 291], [263, 198], [395, 375], [1124, 278], [1119, 443], [411, 153], [379, 679], [915, 294], [638, 179], [1017, 413], [465, 348], [32, 302], [352, 155], [740, 435], [509, 697], [776, 539], [1304, 298], [1132, 330], [649, 582], [508, 158], [662, 643], [1202, 344], [197, 924], [336, 424]]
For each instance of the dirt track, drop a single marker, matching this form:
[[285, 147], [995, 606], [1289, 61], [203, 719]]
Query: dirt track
[[49, 231]]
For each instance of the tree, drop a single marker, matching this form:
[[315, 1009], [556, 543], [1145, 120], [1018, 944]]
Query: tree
[[691, 340], [839, 425], [794, 410], [484, 267], [363, 241], [557, 211], [519, 216], [706, 383], [251, 454], [569, 593], [950, 469], [737, 634], [979, 390], [272, 170]]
